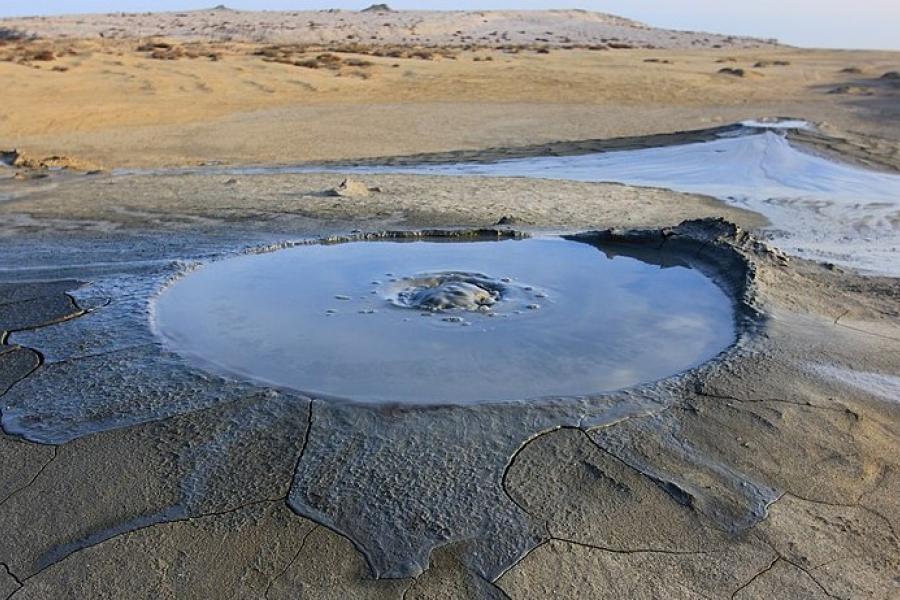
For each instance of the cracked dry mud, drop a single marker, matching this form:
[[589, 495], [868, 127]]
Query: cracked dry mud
[[127, 473]]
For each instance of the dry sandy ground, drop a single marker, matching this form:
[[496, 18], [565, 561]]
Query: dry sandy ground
[[772, 471], [107, 102], [106, 203]]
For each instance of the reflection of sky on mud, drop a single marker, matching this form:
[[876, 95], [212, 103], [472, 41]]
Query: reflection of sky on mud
[[606, 323], [818, 208]]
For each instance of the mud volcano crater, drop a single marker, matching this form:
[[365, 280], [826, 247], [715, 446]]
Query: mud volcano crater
[[444, 318]]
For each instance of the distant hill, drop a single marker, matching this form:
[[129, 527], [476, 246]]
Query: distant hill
[[379, 25]]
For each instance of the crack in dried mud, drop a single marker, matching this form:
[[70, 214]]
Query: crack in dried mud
[[539, 434], [862, 331], [55, 450], [290, 562], [781, 557], [187, 519], [75, 359], [492, 585], [78, 313], [756, 576], [165, 517], [856, 504], [14, 578], [521, 559], [632, 550], [674, 491]]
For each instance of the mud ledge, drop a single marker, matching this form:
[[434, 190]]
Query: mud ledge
[[834, 144], [720, 249], [559, 148], [837, 145], [848, 147]]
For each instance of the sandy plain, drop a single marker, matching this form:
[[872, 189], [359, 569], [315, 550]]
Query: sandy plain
[[770, 472], [106, 102]]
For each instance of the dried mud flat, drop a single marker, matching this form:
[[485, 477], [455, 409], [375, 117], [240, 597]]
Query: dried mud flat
[[770, 471]]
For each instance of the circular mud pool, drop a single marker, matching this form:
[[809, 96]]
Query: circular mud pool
[[439, 321]]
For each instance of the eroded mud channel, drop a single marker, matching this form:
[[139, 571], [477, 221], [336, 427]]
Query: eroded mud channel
[[438, 321]]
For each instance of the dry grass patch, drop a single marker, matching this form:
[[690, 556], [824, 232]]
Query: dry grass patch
[[162, 50], [26, 52]]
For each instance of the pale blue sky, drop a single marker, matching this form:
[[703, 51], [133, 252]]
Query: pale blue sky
[[819, 23]]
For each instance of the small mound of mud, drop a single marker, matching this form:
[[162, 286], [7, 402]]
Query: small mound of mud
[[450, 290], [349, 188]]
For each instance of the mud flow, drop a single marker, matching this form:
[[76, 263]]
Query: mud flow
[[817, 208]]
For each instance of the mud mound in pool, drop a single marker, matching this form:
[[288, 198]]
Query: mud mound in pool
[[446, 291], [459, 291], [435, 322]]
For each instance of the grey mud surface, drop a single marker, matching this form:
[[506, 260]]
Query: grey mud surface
[[127, 474]]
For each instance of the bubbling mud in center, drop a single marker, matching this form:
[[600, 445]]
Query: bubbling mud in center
[[457, 291]]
